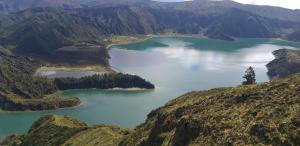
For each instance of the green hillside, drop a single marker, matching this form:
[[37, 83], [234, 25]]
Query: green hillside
[[20, 90], [71, 132]]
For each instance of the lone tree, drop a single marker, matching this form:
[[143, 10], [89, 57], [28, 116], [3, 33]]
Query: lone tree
[[249, 76]]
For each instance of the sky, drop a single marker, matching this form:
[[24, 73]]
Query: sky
[[290, 4]]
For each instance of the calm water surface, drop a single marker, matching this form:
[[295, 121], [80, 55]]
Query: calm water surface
[[176, 65]]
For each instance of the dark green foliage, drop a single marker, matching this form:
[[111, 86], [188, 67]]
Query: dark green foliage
[[16, 75], [20, 90], [105, 81], [249, 76], [44, 32]]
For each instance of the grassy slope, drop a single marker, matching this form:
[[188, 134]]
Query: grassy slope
[[62, 130], [267, 114], [263, 114]]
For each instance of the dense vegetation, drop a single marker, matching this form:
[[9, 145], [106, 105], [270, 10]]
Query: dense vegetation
[[286, 62], [16, 76], [21, 90], [260, 114], [105, 81]]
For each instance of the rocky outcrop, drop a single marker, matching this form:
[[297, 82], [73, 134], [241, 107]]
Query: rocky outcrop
[[286, 62]]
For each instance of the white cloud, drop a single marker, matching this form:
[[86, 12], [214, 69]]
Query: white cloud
[[291, 4], [172, 0]]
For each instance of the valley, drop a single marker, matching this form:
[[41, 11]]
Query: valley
[[175, 65], [152, 73]]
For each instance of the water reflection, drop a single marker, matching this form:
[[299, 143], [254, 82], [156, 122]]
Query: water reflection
[[257, 56]]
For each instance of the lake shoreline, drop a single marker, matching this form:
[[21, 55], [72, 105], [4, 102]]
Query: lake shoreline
[[69, 69], [137, 39]]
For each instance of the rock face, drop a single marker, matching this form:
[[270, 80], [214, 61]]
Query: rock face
[[286, 62], [262, 114]]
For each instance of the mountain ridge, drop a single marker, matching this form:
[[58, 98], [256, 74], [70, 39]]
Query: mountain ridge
[[40, 32]]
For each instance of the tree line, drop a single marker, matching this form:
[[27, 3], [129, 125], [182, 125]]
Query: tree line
[[105, 81]]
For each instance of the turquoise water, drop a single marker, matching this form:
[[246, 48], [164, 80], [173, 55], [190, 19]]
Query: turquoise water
[[176, 65]]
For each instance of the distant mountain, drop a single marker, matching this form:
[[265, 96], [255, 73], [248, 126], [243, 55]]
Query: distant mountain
[[18, 5], [196, 6], [9, 6], [42, 31]]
